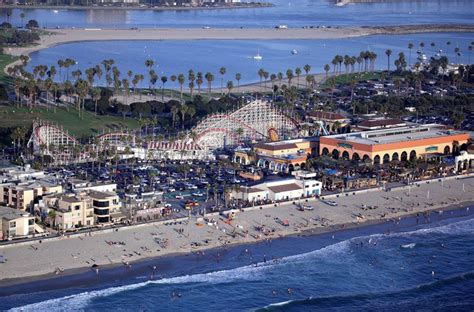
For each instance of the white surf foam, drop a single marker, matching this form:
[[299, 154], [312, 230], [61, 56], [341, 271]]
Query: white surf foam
[[78, 301]]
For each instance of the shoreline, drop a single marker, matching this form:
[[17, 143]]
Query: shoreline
[[84, 277], [219, 237], [56, 37], [135, 8]]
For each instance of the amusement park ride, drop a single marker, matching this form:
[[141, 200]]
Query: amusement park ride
[[256, 121]]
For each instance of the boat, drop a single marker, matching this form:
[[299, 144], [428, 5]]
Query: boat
[[258, 57], [294, 51]]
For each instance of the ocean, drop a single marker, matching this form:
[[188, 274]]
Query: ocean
[[292, 13], [173, 57], [417, 264]]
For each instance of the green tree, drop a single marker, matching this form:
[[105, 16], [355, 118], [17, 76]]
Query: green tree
[[222, 71], [181, 80], [164, 79], [210, 78], [230, 86], [388, 53], [238, 76], [298, 74]]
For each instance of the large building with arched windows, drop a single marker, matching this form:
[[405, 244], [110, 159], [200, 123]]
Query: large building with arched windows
[[386, 145]]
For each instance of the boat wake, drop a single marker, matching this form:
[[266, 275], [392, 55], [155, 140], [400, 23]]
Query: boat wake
[[246, 273]]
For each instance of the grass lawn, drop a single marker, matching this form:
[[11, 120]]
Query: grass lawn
[[345, 79], [90, 125], [5, 59]]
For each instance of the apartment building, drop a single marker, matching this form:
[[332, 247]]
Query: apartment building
[[71, 211], [24, 195], [15, 223], [106, 205]]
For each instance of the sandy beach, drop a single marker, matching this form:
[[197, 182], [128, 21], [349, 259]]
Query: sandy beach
[[127, 245], [55, 36]]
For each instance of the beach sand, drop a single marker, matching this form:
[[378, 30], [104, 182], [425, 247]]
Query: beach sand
[[140, 242]]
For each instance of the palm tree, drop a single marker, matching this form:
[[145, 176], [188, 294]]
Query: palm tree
[[183, 109], [149, 64], [164, 79], [52, 217], [422, 46], [388, 52], [48, 84], [273, 78], [199, 81], [410, 47], [334, 64], [126, 89], [280, 78], [210, 78], [222, 71], [135, 81], [298, 73], [327, 68], [82, 89], [289, 76], [191, 112], [309, 80], [191, 88], [153, 80], [96, 97], [90, 72], [265, 77], [181, 80], [230, 85], [98, 72], [31, 86], [260, 74], [174, 112], [61, 65], [238, 77], [307, 69]]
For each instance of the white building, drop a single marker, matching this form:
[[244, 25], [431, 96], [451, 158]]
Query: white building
[[19, 173], [303, 185], [78, 185]]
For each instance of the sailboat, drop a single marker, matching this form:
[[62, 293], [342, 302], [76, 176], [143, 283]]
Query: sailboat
[[258, 57]]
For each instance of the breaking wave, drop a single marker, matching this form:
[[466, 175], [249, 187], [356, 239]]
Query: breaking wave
[[249, 272]]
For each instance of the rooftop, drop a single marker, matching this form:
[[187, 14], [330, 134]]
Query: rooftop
[[285, 188], [70, 199], [326, 115], [396, 135], [287, 144], [101, 195], [275, 147], [254, 190], [381, 122], [12, 214]]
